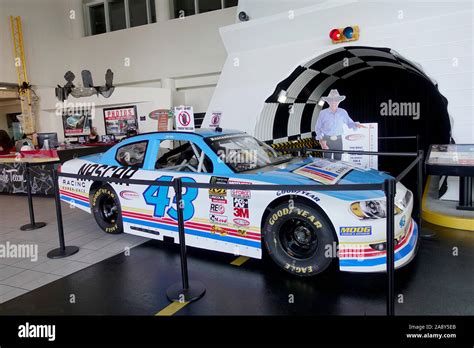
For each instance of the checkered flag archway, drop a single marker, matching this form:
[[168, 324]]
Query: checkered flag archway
[[291, 112]]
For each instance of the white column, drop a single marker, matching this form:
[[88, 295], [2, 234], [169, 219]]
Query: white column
[[75, 15], [163, 10]]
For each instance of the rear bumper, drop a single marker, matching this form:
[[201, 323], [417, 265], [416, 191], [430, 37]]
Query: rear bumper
[[369, 260]]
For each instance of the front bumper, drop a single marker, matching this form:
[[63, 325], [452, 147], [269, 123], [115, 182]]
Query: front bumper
[[369, 260]]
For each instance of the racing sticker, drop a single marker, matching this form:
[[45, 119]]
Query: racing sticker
[[356, 231], [240, 193], [218, 195], [241, 208], [324, 171], [218, 219]]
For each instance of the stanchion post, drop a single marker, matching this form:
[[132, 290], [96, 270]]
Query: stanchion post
[[33, 225], [419, 186], [390, 191], [63, 250], [186, 291]]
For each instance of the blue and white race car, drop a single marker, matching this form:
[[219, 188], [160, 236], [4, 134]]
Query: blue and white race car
[[303, 231]]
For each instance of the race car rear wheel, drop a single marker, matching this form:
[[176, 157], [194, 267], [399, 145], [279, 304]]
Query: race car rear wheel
[[299, 238], [105, 207]]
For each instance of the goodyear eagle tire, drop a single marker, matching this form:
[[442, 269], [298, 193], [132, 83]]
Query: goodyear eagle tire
[[298, 239], [105, 206]]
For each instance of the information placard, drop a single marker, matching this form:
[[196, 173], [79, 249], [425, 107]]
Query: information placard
[[362, 139]]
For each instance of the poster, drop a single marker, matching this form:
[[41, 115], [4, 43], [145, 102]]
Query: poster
[[77, 122], [324, 171], [120, 119], [361, 139], [184, 118], [215, 119]]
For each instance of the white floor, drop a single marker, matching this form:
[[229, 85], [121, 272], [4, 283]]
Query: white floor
[[20, 275]]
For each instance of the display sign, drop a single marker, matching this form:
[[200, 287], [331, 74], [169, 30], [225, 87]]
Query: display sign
[[119, 120], [184, 118], [77, 122], [361, 139], [215, 119], [452, 155], [324, 171]]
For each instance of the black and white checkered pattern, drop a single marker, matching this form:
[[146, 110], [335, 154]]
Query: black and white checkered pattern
[[309, 82]]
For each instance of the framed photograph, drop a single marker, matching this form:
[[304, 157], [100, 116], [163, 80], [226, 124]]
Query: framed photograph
[[120, 119], [77, 122]]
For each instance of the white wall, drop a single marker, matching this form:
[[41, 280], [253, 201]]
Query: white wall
[[264, 51], [146, 99], [189, 50]]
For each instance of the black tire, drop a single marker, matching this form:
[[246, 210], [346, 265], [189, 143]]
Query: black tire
[[105, 207], [298, 239]]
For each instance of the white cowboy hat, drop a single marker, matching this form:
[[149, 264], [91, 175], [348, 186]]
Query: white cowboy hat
[[334, 96]]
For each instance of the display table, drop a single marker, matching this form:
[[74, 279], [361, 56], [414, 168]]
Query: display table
[[454, 160], [13, 170]]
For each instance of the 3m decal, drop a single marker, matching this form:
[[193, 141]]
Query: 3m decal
[[355, 231], [159, 197], [241, 213]]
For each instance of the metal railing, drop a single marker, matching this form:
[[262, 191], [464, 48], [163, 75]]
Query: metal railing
[[194, 290]]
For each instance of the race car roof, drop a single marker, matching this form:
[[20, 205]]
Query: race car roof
[[211, 132]]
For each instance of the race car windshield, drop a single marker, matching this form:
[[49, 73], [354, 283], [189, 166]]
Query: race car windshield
[[243, 153]]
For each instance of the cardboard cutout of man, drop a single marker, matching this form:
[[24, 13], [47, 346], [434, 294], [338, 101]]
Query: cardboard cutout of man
[[329, 128]]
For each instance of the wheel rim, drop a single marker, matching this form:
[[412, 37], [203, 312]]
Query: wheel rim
[[108, 209], [298, 239]]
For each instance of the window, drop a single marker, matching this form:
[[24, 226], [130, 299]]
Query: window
[[117, 15], [183, 8], [138, 12], [97, 19], [209, 5], [132, 155], [183, 156], [110, 15]]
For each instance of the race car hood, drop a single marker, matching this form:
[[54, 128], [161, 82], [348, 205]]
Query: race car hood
[[314, 171]]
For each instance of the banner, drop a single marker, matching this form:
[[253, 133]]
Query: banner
[[119, 120], [184, 118], [362, 139]]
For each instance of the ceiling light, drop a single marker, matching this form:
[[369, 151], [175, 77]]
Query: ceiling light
[[282, 97]]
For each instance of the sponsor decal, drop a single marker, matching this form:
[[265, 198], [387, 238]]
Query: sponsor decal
[[218, 194], [324, 171], [241, 222], [73, 183], [241, 203], [403, 221], [102, 170], [240, 193], [301, 212], [310, 195], [218, 230], [356, 231], [355, 137], [242, 232], [129, 195], [241, 213], [218, 219], [217, 208], [218, 199]]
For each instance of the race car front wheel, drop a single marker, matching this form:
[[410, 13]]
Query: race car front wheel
[[299, 238], [105, 206]]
